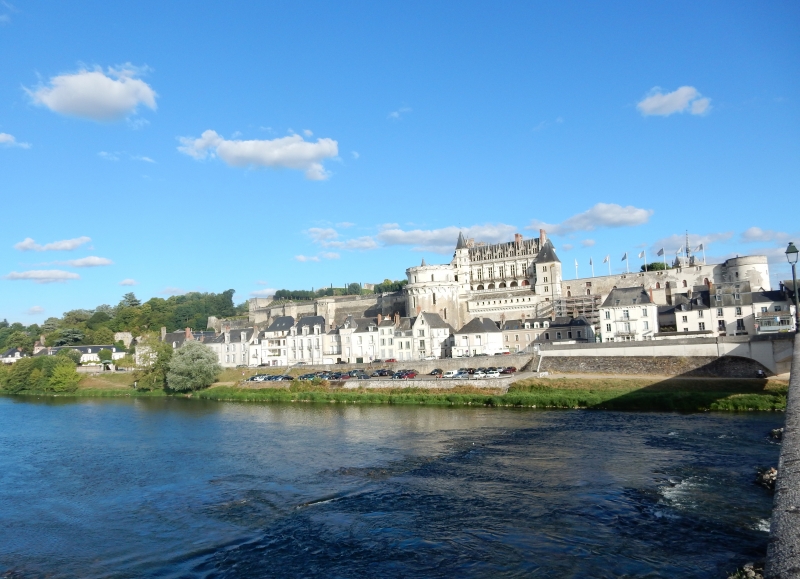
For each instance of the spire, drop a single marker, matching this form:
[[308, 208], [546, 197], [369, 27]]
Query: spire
[[461, 243], [423, 264]]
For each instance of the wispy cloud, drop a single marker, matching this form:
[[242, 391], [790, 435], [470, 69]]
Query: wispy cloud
[[43, 276], [29, 244], [117, 155], [672, 243], [355, 154], [399, 113], [329, 238], [10, 141], [588, 243], [756, 234], [263, 293], [443, 240], [599, 216], [292, 152], [90, 261], [172, 291], [686, 98], [128, 282], [544, 124], [304, 258], [96, 94], [35, 310]]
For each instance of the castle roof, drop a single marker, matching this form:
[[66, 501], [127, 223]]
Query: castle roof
[[626, 296], [479, 326], [547, 253], [281, 324], [461, 243]]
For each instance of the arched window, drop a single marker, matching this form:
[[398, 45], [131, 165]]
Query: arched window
[[525, 282], [588, 292], [684, 283], [705, 281], [502, 284], [513, 284], [491, 286], [569, 294], [658, 285], [480, 287], [667, 286]]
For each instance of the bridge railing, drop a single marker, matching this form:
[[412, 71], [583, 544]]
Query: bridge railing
[[783, 552]]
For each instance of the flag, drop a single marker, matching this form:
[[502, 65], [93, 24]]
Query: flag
[[660, 252], [680, 249], [606, 259], [641, 253], [624, 257], [700, 248], [590, 261]]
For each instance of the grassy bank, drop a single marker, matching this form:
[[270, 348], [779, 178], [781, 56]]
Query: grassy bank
[[675, 394]]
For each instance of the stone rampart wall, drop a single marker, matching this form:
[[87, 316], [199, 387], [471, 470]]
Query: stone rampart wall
[[440, 384], [696, 366]]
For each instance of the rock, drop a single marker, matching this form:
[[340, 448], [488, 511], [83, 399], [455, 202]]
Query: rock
[[776, 433], [750, 571], [766, 477]]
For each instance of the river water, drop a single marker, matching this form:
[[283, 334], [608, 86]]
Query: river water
[[189, 488]]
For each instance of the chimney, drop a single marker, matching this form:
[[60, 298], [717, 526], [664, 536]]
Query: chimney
[[651, 295], [542, 237], [189, 335], [380, 319], [163, 333], [397, 318], [518, 239]]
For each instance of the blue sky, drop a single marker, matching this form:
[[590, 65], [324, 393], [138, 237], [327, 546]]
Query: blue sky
[[194, 146]]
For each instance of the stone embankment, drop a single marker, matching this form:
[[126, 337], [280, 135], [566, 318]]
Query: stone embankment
[[431, 384], [688, 366], [783, 553]]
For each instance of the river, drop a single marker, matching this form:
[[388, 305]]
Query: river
[[190, 488]]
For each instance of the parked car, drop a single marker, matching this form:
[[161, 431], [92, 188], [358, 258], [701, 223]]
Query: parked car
[[479, 374], [431, 358], [437, 372], [509, 370], [390, 360], [461, 376], [450, 374], [492, 374]]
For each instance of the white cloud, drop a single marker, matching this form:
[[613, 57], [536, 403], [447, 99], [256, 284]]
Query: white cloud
[[307, 133], [395, 115], [108, 156], [290, 152], [35, 310], [128, 281], [11, 141], [329, 255], [29, 244], [43, 275], [172, 291], [567, 247], [601, 215], [675, 241], [588, 242], [263, 293], [321, 235], [96, 95], [115, 156], [443, 240], [142, 158], [90, 261], [329, 237], [355, 154], [756, 234], [677, 101], [305, 258]]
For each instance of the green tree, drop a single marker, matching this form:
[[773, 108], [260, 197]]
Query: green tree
[[655, 266], [17, 379], [102, 336], [354, 289], [97, 320], [193, 366], [69, 336], [64, 377], [129, 300], [104, 355], [20, 340], [155, 357], [70, 354]]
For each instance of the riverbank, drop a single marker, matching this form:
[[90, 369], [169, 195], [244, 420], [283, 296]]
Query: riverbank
[[641, 394]]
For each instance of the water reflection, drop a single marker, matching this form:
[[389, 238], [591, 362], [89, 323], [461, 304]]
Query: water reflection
[[156, 487]]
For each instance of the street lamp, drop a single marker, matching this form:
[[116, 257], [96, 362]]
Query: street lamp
[[791, 255]]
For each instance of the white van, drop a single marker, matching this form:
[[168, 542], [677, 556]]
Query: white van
[[449, 374]]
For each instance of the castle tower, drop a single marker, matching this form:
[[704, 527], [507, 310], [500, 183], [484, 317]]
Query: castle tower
[[547, 269]]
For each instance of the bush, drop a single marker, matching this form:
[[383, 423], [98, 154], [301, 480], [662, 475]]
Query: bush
[[192, 367], [155, 358], [49, 373], [104, 355], [64, 378], [71, 354]]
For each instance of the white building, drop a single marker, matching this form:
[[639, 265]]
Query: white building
[[11, 355], [628, 314], [480, 336], [305, 341], [274, 351]]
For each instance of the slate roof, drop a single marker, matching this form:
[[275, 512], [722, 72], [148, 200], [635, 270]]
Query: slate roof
[[180, 337], [520, 324], [479, 326], [547, 253], [697, 301], [461, 243], [434, 320], [90, 349], [567, 322], [236, 336], [11, 353], [281, 324], [310, 322], [773, 296], [627, 296]]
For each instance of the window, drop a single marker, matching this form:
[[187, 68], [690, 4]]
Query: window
[[545, 279], [608, 315], [778, 308], [719, 312], [626, 315], [558, 335], [608, 327], [421, 333], [527, 337], [701, 326], [644, 312], [547, 335], [699, 313], [738, 311], [506, 337], [626, 327], [684, 319], [721, 325], [579, 333], [765, 310], [516, 337], [684, 283], [646, 325], [544, 268], [739, 325]]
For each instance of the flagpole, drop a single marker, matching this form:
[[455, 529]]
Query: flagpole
[[627, 269], [591, 262], [644, 251], [704, 253], [576, 269], [664, 255]]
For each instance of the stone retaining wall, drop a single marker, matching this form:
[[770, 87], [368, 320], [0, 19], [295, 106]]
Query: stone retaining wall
[[440, 384], [783, 553], [701, 366]]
